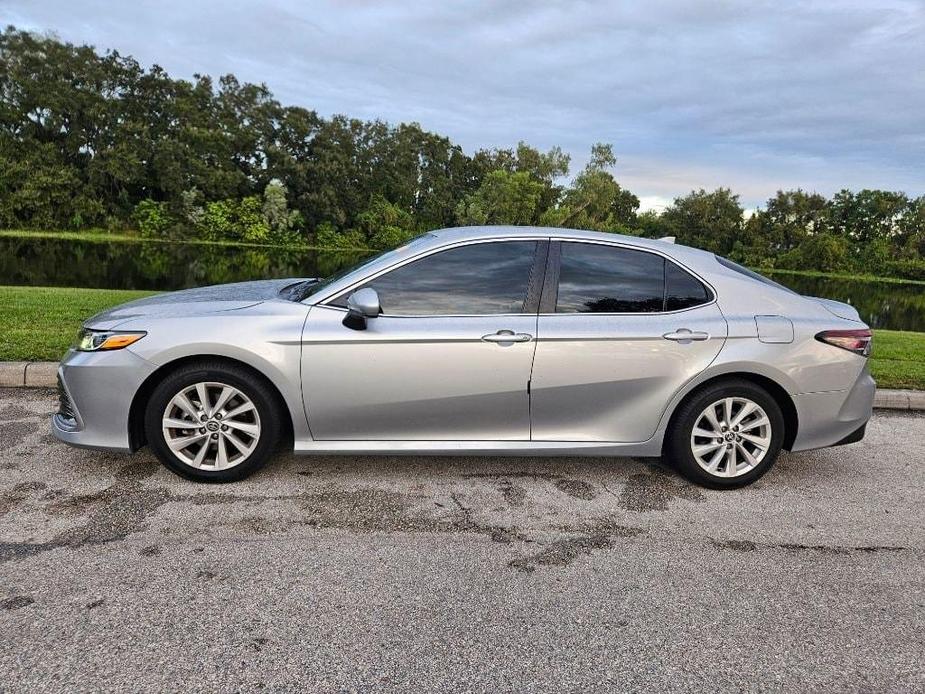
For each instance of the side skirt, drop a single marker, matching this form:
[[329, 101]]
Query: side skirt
[[649, 448]]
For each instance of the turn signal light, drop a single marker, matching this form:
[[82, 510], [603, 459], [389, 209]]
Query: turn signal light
[[857, 341], [103, 340]]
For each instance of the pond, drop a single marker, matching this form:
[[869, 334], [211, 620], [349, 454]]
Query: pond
[[881, 304], [140, 265], [146, 265]]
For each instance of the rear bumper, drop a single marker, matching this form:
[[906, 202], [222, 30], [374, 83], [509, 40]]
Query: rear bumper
[[96, 390], [836, 417]]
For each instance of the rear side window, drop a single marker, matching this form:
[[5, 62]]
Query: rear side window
[[605, 279], [682, 289], [595, 278]]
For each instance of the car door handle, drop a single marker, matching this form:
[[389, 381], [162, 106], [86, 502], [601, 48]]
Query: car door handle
[[507, 336], [684, 335]]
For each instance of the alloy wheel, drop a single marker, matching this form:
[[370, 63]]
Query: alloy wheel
[[731, 436], [211, 426]]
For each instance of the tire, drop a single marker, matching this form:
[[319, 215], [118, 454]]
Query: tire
[[707, 460], [239, 434]]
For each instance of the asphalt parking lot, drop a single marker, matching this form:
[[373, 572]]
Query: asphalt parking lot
[[450, 574]]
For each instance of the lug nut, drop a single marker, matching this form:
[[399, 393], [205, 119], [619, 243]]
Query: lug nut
[[218, 416], [224, 427], [202, 431], [214, 437], [202, 418]]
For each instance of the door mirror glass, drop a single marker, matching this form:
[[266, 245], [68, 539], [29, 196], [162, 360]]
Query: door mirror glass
[[362, 304]]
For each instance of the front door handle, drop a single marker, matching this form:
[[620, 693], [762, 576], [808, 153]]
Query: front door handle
[[507, 336], [684, 336]]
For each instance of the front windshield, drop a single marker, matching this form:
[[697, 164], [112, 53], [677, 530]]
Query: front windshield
[[318, 286]]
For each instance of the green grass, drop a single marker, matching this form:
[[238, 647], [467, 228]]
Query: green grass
[[39, 323], [103, 236], [898, 359]]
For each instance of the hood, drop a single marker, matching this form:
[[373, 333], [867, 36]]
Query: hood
[[191, 302], [838, 308]]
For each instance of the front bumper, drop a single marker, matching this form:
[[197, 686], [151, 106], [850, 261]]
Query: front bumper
[[96, 390], [836, 417]]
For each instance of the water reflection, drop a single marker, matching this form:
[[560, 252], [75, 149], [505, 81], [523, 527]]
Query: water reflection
[[65, 263], [881, 304]]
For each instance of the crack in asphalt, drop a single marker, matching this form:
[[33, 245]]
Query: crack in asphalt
[[750, 546]]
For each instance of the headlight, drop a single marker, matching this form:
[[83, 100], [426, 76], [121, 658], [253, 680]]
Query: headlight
[[99, 340]]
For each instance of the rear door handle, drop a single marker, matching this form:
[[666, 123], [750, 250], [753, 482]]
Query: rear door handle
[[684, 336], [507, 336]]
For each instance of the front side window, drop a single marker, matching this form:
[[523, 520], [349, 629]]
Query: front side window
[[479, 279], [605, 279]]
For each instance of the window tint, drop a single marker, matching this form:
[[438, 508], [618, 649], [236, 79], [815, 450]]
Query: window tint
[[482, 279], [683, 290], [604, 279]]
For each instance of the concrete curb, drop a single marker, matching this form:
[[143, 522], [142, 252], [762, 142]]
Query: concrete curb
[[43, 374]]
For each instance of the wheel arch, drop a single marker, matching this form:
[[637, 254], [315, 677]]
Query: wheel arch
[[136, 426], [773, 388]]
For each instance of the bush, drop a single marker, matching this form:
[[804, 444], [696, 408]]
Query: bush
[[907, 269], [236, 220], [823, 252], [390, 237], [327, 236], [152, 219]]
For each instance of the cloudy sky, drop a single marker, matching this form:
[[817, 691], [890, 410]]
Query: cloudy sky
[[753, 95]]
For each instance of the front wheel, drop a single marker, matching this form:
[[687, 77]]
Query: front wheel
[[727, 435], [212, 422]]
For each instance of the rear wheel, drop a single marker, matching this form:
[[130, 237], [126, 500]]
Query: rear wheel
[[727, 435], [212, 422]]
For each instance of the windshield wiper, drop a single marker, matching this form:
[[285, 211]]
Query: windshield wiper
[[298, 291]]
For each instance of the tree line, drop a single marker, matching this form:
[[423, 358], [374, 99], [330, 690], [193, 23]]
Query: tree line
[[94, 140]]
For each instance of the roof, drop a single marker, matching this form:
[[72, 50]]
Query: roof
[[480, 232]]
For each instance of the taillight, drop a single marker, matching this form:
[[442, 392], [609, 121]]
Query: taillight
[[857, 341]]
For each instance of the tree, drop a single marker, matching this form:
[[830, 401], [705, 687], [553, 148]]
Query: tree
[[595, 200], [503, 198], [384, 225], [790, 218], [712, 221]]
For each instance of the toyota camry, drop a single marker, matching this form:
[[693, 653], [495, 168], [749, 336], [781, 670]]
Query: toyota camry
[[478, 341]]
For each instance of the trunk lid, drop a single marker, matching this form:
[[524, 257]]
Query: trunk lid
[[838, 308]]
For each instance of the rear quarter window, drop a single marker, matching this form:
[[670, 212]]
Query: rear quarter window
[[682, 289]]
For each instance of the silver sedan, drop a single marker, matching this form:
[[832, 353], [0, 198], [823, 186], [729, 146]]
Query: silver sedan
[[478, 341]]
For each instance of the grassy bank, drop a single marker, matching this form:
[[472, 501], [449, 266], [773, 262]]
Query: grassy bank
[[899, 359], [38, 323], [772, 272], [103, 236]]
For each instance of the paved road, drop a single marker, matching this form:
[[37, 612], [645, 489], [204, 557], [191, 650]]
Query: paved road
[[460, 574]]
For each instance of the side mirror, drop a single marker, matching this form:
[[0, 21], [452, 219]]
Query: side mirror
[[361, 305]]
